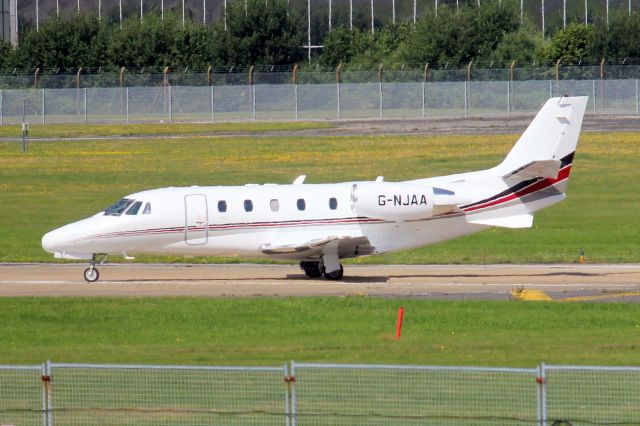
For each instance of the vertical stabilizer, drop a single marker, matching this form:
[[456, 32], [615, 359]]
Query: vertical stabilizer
[[551, 137], [536, 171]]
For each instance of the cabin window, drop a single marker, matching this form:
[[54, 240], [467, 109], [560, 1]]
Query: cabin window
[[333, 203], [275, 205], [222, 206], [301, 204], [133, 210], [248, 205], [147, 209], [118, 207]]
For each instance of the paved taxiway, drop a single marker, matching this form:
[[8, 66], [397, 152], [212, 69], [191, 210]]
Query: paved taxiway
[[580, 282]]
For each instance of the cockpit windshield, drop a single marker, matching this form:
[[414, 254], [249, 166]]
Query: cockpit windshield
[[118, 207], [133, 210]]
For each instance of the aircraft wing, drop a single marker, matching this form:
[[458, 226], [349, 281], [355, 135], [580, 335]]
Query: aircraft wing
[[346, 246]]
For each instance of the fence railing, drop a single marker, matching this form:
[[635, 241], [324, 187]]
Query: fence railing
[[225, 76], [318, 394], [309, 101]]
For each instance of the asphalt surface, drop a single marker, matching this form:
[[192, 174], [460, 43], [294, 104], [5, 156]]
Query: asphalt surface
[[567, 283]]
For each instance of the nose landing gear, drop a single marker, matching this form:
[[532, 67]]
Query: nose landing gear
[[91, 274]]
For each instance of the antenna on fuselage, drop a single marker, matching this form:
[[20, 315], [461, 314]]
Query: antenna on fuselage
[[299, 180]]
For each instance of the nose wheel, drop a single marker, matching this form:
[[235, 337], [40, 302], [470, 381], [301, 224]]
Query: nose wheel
[[91, 274]]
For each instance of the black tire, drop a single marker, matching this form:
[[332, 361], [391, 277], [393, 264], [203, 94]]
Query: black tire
[[311, 269], [91, 275], [335, 275]]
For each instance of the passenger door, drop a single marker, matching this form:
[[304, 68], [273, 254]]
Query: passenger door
[[196, 229]]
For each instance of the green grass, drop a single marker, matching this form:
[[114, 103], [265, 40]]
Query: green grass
[[272, 331], [91, 130], [58, 182]]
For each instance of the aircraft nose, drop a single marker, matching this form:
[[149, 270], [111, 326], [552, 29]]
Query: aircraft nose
[[53, 241]]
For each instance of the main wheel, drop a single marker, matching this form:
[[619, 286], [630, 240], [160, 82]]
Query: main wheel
[[311, 269], [91, 275], [335, 275]]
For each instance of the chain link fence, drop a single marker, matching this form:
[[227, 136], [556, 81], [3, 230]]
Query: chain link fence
[[579, 395], [22, 395], [86, 394], [318, 394], [385, 394], [309, 101]]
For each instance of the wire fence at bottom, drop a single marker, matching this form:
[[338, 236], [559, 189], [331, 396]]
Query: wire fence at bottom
[[318, 394]]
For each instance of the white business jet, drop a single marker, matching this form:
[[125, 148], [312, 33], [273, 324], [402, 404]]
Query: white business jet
[[320, 224]]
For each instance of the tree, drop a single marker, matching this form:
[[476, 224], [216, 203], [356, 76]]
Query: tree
[[520, 46], [5, 54], [458, 37], [570, 45], [62, 44], [620, 40], [259, 34], [151, 43]]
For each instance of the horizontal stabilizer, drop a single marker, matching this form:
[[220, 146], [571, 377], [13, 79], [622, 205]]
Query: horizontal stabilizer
[[519, 221], [535, 169]]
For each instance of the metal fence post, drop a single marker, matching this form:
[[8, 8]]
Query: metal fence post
[[253, 102], [46, 393], [338, 79], [381, 103], [2, 122], [381, 107], [465, 98], [424, 99], [127, 104], [294, 411], [45, 411], [637, 102], [338, 100], [542, 395], [85, 105], [294, 80], [170, 104], [213, 117], [287, 396], [509, 99], [593, 93], [295, 96], [43, 107]]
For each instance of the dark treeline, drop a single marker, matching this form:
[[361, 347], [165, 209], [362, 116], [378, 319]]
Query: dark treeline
[[269, 34]]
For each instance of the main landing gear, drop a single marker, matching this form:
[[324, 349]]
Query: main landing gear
[[316, 269], [91, 274]]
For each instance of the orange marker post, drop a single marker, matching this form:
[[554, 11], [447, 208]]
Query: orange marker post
[[399, 325]]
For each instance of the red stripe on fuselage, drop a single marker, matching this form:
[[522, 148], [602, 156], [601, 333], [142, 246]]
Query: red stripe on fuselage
[[534, 187]]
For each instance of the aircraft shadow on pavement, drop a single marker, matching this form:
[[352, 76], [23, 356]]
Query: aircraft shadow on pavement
[[547, 274]]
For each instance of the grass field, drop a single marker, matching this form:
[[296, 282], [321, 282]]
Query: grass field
[[57, 182], [272, 331], [92, 130]]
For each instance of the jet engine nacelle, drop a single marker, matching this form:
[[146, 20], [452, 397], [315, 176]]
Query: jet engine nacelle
[[392, 201]]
